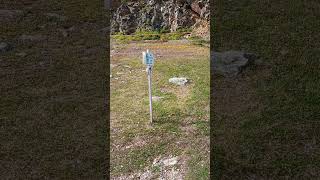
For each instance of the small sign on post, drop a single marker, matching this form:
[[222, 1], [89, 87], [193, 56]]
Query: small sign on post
[[148, 60]]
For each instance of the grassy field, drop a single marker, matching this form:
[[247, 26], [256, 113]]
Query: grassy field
[[53, 114], [266, 125], [181, 117]]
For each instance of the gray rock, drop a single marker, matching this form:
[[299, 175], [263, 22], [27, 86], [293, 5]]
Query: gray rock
[[126, 19], [181, 81], [156, 15], [231, 63], [5, 47]]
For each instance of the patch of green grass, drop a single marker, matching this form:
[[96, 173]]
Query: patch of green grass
[[142, 35], [55, 115], [200, 169], [203, 127], [199, 41], [171, 36], [137, 159], [156, 169], [272, 143]]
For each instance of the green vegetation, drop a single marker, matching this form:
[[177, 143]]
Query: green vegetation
[[199, 170], [162, 35], [141, 35], [278, 139], [199, 41], [53, 127]]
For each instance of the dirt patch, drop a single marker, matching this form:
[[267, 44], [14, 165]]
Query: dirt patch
[[166, 168], [163, 50]]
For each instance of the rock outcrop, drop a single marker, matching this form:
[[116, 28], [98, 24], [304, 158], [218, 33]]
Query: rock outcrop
[[169, 15]]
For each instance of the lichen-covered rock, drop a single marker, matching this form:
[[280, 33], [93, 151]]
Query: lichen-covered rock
[[158, 15]]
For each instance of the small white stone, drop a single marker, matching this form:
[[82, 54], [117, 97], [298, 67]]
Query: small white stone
[[181, 81], [170, 161], [156, 98]]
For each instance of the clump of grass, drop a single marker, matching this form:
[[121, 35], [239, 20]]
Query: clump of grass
[[196, 40], [184, 30], [200, 169], [141, 35], [172, 36]]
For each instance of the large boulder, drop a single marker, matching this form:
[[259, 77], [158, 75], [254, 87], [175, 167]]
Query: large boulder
[[231, 63]]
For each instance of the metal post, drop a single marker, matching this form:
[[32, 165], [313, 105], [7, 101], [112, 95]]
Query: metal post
[[150, 92]]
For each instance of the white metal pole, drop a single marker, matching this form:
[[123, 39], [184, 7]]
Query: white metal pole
[[150, 92]]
